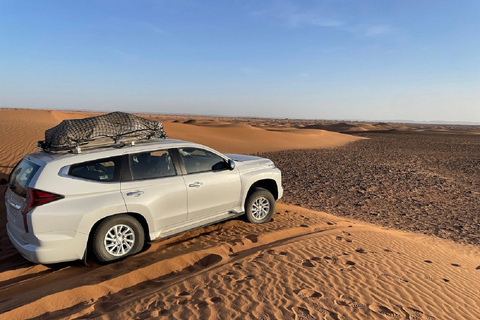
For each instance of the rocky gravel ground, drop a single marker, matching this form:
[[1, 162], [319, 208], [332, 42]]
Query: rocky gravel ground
[[422, 182]]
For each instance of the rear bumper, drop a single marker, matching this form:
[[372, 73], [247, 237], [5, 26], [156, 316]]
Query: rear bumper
[[46, 252]]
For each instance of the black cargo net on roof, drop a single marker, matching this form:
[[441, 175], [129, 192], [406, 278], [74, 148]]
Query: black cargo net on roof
[[111, 128]]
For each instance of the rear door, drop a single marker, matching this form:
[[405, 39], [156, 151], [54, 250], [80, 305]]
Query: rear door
[[152, 188]]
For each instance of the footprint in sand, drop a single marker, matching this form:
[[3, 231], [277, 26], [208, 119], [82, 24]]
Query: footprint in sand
[[183, 294], [228, 275], [245, 279], [202, 304], [216, 300], [273, 253], [257, 258], [333, 259], [307, 293], [302, 313], [344, 300], [307, 263], [382, 310]]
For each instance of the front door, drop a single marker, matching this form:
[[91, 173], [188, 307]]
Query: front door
[[211, 187]]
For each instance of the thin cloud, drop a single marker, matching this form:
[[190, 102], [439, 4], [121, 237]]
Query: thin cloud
[[313, 19], [378, 30], [292, 15], [156, 29]]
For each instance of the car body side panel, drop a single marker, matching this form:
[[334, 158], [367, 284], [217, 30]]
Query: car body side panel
[[162, 202]]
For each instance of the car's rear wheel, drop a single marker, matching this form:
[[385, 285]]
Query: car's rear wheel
[[260, 206], [117, 237]]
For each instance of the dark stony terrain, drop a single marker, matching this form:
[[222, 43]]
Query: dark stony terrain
[[422, 182]]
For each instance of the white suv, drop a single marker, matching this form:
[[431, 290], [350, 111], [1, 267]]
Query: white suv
[[111, 200]]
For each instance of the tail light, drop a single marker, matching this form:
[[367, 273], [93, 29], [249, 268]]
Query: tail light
[[36, 198]]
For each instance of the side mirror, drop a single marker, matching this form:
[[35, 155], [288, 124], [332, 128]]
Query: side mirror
[[231, 164], [3, 182]]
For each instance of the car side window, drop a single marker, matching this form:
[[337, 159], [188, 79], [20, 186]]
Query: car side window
[[199, 160], [98, 170], [151, 165]]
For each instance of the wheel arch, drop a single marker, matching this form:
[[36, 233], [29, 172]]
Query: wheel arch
[[267, 184]]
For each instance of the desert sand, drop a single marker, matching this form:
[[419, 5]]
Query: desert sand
[[304, 264]]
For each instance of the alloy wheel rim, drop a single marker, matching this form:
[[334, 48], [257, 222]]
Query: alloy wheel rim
[[119, 240], [260, 208]]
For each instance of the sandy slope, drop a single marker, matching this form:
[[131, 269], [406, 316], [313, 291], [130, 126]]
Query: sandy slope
[[302, 265]]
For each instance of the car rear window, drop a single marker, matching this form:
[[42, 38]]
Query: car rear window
[[21, 176], [104, 170]]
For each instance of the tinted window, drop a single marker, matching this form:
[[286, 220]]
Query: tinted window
[[104, 170], [21, 176], [151, 165], [199, 160]]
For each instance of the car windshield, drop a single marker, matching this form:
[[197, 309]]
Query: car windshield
[[21, 176]]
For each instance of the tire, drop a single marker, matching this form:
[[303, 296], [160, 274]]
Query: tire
[[104, 242], [260, 206]]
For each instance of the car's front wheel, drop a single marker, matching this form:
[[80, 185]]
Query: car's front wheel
[[260, 206], [117, 237]]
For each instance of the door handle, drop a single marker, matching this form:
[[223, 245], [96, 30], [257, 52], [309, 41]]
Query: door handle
[[14, 205], [196, 184], [134, 193]]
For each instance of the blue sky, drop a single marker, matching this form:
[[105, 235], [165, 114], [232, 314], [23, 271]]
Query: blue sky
[[366, 60]]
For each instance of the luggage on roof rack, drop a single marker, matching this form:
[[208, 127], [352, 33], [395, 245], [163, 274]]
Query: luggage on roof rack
[[112, 129]]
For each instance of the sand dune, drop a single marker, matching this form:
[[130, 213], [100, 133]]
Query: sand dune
[[302, 265], [23, 128]]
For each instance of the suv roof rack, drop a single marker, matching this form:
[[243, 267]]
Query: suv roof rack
[[114, 129]]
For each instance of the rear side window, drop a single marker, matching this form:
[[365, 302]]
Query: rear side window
[[151, 165], [104, 170], [21, 176]]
